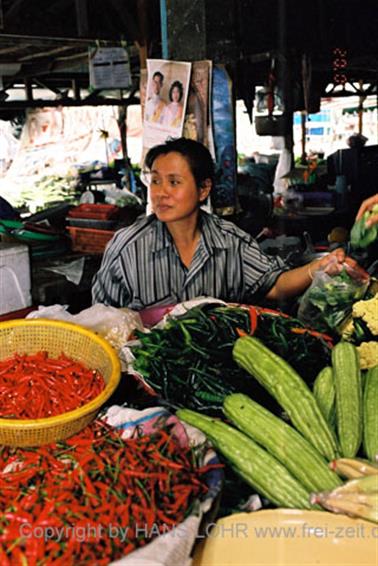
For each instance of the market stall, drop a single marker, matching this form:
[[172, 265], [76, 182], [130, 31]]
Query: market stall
[[199, 412], [109, 470]]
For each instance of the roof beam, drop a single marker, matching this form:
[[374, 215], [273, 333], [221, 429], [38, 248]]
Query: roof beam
[[55, 51], [94, 101]]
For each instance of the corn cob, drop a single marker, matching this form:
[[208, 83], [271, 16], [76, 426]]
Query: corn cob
[[363, 505], [366, 484], [352, 468]]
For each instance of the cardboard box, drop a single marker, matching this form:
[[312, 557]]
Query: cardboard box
[[15, 284]]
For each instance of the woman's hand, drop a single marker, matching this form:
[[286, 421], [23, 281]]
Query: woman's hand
[[295, 281], [333, 263], [366, 206]]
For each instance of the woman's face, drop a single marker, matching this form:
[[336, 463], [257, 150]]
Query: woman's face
[[173, 189], [176, 94]]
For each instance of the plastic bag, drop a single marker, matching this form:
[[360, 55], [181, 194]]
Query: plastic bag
[[115, 325], [331, 295]]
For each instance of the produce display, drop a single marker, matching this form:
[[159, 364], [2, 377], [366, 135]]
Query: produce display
[[55, 385], [46, 190], [310, 450], [96, 497], [291, 411], [189, 362]]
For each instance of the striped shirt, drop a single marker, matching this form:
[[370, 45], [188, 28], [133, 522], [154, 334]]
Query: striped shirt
[[141, 266]]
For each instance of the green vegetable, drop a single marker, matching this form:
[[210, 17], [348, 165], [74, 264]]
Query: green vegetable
[[307, 353], [324, 393], [347, 381], [189, 362], [326, 304], [289, 389], [362, 236], [256, 466], [370, 410], [282, 441]]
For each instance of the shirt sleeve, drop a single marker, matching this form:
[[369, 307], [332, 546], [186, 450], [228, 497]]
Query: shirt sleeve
[[260, 270], [109, 285]]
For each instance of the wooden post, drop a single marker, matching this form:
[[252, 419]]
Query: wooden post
[[29, 89], [361, 106], [76, 89], [144, 32], [303, 138], [285, 72]]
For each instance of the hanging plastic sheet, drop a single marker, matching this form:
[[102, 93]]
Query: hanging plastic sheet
[[224, 192]]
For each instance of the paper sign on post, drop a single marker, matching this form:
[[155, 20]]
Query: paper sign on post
[[109, 67]]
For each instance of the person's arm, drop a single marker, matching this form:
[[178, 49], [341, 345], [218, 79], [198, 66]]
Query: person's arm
[[109, 285], [295, 281], [366, 206]]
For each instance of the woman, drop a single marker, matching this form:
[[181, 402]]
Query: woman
[[173, 111], [181, 252]]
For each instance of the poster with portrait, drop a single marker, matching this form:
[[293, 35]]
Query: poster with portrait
[[166, 98]]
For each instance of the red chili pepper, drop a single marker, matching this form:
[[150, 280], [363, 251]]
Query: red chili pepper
[[253, 316], [314, 333], [241, 332], [57, 385], [73, 490]]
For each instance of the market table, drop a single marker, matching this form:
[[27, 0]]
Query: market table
[[49, 287], [317, 221]]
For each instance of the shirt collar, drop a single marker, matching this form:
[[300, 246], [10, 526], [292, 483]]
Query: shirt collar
[[161, 237], [209, 226], [212, 234]]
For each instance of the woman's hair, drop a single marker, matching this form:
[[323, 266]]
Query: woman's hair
[[196, 154], [178, 85]]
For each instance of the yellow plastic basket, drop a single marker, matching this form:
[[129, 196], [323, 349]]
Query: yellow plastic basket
[[55, 337]]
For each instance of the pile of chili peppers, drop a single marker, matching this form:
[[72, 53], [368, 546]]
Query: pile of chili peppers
[[94, 497], [54, 385], [189, 362]]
